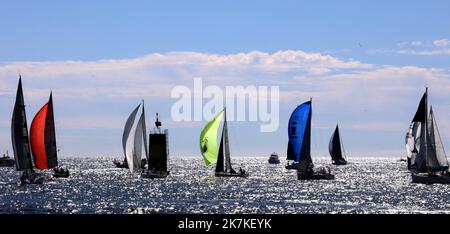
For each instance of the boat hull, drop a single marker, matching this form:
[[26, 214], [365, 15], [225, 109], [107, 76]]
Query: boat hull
[[424, 178], [31, 178], [155, 175], [119, 164], [314, 176], [339, 162], [7, 162], [274, 161], [293, 166], [228, 174]]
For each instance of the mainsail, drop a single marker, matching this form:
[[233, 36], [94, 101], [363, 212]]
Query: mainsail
[[134, 139], [334, 146], [19, 132], [43, 138], [436, 160], [208, 140], [299, 131], [224, 151], [423, 142]]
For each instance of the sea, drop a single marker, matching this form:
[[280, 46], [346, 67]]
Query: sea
[[365, 185]]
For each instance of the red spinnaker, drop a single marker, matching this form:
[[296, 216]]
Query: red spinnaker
[[42, 137]]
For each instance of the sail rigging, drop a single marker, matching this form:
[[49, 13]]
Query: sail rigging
[[43, 137], [223, 157], [208, 140], [334, 146], [299, 132], [133, 139], [423, 143], [19, 132]]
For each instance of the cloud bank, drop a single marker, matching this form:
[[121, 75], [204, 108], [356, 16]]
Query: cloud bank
[[95, 97]]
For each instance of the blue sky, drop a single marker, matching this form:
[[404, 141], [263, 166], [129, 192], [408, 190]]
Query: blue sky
[[382, 55]]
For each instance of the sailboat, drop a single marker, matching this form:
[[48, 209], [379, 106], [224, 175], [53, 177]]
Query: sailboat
[[220, 156], [158, 153], [43, 141], [426, 160], [336, 148], [299, 145], [21, 142], [134, 138]]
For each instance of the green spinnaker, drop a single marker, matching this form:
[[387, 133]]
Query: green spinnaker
[[208, 140]]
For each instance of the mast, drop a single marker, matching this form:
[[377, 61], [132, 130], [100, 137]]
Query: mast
[[426, 127], [144, 131]]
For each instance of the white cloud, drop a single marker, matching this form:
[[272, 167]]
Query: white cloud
[[440, 47], [441, 42]]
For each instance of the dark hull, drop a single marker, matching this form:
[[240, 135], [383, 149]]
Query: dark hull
[[125, 165], [155, 175], [32, 178], [7, 162], [430, 179], [229, 174], [61, 173], [314, 176], [274, 161], [293, 166], [339, 162]]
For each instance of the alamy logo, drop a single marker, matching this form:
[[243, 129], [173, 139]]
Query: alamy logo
[[250, 103]]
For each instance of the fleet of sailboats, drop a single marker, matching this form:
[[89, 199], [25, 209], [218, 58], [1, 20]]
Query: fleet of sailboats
[[36, 149]]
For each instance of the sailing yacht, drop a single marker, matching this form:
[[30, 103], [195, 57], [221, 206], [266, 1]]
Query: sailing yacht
[[21, 142], [299, 145], [43, 141], [426, 160], [336, 148], [134, 138], [220, 156]]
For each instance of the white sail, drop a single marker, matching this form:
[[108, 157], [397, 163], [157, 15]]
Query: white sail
[[436, 155], [134, 139], [127, 129]]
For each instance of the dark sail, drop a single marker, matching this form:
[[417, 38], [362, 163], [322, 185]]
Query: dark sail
[[305, 153], [220, 157], [42, 137], [421, 113], [19, 132], [335, 145], [416, 137]]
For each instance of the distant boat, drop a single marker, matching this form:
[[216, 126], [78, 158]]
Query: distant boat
[[20, 141], [43, 141], [220, 156], [134, 138], [273, 159], [336, 148], [6, 161], [299, 145], [426, 156], [158, 153]]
